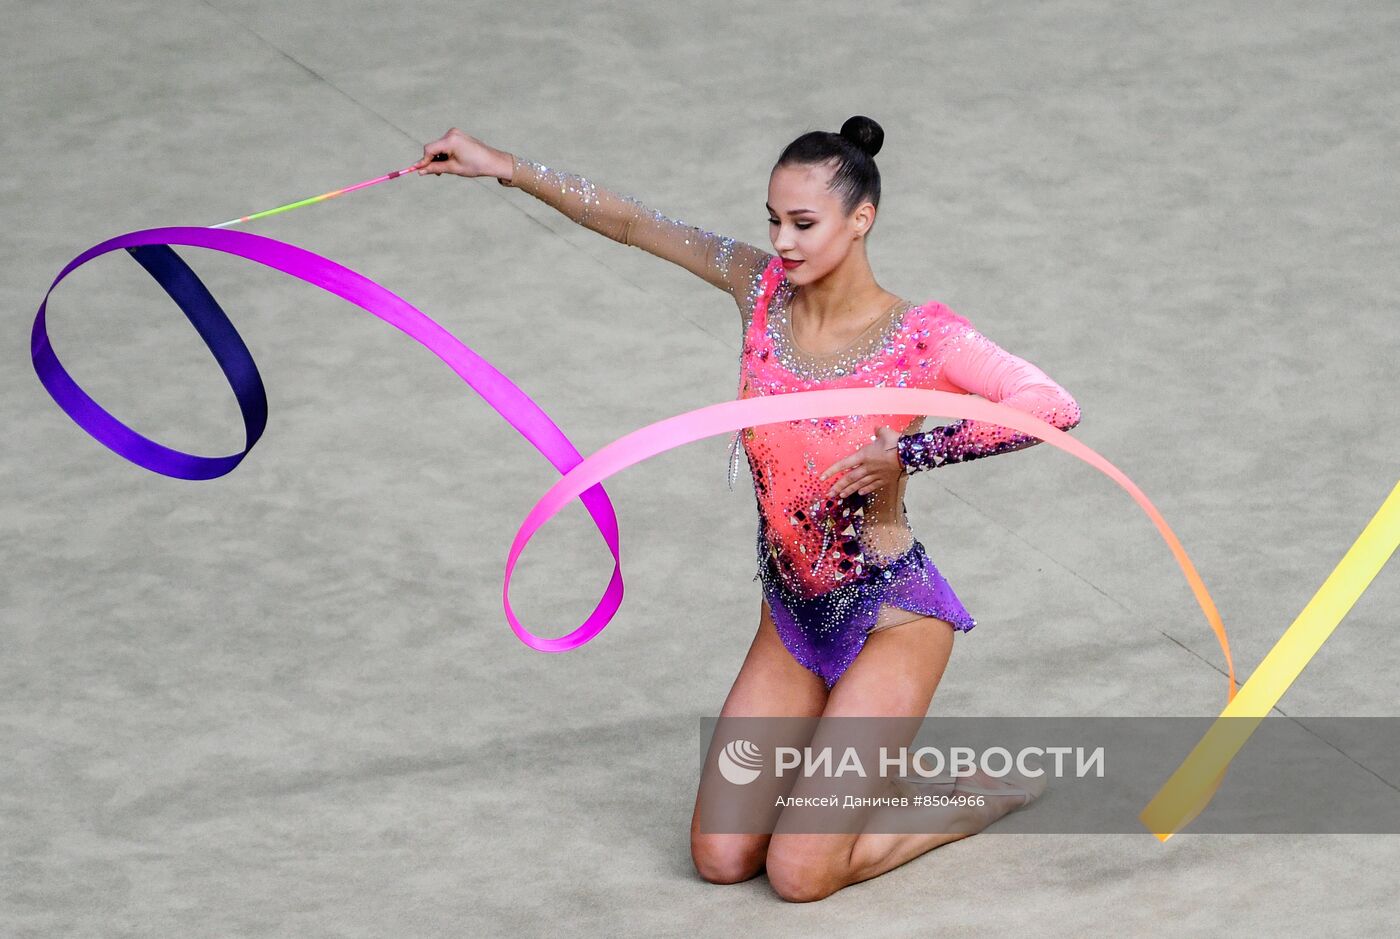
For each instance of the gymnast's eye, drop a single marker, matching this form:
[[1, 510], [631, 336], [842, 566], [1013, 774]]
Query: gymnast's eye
[[802, 225]]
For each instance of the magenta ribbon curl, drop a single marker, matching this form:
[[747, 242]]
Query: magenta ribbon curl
[[581, 478]]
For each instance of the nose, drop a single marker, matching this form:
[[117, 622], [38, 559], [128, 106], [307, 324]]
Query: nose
[[783, 240]]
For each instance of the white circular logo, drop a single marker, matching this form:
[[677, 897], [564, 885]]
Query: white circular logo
[[740, 762]]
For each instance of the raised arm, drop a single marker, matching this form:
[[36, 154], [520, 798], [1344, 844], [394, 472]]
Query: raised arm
[[724, 262], [731, 265], [979, 366]]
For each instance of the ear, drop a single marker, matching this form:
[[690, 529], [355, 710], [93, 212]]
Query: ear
[[863, 217]]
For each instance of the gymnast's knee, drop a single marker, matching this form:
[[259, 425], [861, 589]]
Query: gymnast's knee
[[727, 859]]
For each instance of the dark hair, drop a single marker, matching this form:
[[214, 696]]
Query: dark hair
[[856, 178]]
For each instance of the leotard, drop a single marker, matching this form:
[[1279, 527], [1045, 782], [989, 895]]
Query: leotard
[[832, 570]]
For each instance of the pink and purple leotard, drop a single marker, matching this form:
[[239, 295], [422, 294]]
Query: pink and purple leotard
[[832, 570]]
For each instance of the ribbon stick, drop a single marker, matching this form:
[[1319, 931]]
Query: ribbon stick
[[324, 196]]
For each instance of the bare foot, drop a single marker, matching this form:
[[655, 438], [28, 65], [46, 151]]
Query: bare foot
[[984, 798], [999, 795]]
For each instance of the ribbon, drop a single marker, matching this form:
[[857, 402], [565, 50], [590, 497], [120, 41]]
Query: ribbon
[[581, 478], [151, 247], [1186, 792]]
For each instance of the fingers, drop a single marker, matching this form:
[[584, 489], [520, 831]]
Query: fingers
[[869, 469], [844, 486], [431, 150], [442, 147], [836, 467], [862, 480], [429, 163], [849, 483], [870, 487]]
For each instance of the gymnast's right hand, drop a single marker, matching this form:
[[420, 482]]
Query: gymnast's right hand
[[464, 155]]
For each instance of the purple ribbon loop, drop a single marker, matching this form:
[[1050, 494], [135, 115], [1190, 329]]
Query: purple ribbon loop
[[151, 248]]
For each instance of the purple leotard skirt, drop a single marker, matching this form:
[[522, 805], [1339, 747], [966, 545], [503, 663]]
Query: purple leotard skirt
[[826, 632]]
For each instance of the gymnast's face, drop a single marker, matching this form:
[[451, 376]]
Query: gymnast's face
[[806, 224]]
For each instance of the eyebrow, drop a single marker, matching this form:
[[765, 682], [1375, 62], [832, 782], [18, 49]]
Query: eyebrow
[[793, 212]]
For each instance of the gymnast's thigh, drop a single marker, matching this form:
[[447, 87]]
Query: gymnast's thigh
[[771, 683]]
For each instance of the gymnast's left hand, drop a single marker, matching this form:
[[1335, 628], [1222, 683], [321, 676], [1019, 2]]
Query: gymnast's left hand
[[872, 466]]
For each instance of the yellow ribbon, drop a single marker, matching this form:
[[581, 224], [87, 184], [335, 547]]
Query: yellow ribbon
[[1190, 789]]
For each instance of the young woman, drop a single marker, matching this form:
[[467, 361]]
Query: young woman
[[855, 619]]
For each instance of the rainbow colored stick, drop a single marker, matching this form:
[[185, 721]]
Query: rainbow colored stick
[[321, 198]]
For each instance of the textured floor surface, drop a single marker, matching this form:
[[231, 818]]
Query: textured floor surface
[[287, 703]]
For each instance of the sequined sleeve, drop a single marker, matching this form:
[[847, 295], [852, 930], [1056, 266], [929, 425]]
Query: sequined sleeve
[[732, 266], [979, 366]]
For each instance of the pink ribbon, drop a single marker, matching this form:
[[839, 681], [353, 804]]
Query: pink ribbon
[[581, 477]]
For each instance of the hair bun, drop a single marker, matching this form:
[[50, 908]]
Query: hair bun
[[864, 133]]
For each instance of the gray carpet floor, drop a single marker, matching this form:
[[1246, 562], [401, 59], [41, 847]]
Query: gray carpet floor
[[287, 702]]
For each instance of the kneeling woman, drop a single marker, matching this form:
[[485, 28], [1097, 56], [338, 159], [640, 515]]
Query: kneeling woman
[[855, 619]]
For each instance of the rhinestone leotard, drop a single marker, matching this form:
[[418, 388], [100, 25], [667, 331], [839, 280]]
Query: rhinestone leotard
[[832, 570]]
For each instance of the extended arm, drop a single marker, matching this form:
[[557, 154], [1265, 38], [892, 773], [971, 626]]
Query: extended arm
[[978, 365], [724, 262]]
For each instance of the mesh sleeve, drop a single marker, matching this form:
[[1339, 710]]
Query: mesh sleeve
[[979, 366], [730, 265]]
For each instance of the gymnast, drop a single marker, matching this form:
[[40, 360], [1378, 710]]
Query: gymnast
[[854, 617]]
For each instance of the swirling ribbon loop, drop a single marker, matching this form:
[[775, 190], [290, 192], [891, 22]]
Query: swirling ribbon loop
[[151, 247], [200, 308], [580, 478]]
